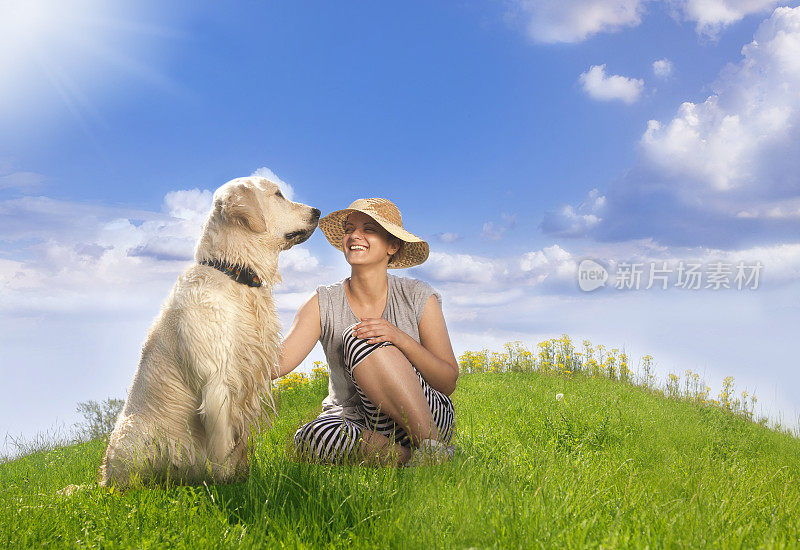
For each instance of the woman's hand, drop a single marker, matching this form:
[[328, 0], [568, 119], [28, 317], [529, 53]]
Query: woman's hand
[[378, 329]]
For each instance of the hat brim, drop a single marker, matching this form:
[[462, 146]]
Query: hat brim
[[413, 252]]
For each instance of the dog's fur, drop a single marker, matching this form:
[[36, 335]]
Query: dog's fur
[[204, 371]]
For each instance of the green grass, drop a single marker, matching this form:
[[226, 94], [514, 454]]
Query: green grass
[[611, 465]]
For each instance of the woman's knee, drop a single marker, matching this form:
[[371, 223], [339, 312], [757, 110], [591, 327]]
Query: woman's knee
[[357, 350]]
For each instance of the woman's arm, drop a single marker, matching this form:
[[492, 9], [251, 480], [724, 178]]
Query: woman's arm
[[301, 338], [433, 356]]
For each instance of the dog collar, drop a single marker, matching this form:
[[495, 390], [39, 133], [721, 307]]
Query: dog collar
[[243, 275]]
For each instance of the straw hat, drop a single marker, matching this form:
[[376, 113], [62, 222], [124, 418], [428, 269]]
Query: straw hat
[[414, 250]]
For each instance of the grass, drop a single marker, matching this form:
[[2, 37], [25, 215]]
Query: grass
[[610, 465]]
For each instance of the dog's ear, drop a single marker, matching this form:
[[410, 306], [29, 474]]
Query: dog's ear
[[240, 205]]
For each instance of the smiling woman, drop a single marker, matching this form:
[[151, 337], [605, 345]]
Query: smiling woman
[[399, 400]]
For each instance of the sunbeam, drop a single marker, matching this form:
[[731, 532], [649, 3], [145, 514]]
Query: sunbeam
[[62, 56]]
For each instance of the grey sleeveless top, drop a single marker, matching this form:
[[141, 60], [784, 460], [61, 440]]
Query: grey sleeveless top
[[404, 306]]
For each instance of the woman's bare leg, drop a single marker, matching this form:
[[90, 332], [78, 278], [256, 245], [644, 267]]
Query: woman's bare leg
[[377, 450], [389, 381]]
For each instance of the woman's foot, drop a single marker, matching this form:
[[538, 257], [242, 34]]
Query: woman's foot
[[377, 450], [430, 452]]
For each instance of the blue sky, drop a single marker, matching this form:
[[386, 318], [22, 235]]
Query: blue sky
[[518, 138]]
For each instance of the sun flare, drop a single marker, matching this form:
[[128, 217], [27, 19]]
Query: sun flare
[[60, 54]]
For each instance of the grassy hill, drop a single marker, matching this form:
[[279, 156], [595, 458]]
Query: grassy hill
[[610, 464]]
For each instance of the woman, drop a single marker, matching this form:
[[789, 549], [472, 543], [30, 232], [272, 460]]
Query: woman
[[392, 367]]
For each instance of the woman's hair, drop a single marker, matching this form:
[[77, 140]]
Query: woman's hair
[[393, 239]]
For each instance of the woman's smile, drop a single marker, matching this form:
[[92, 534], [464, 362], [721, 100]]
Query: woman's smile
[[365, 241], [357, 249]]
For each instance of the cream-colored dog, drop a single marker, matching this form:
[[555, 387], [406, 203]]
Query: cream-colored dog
[[205, 366]]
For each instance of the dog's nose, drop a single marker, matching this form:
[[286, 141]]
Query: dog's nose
[[315, 212]]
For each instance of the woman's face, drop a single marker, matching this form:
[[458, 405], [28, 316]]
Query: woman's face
[[365, 241]]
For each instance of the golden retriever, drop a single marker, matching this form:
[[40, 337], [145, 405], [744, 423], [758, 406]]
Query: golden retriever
[[204, 371]]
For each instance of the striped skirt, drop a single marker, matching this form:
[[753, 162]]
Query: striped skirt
[[332, 438]]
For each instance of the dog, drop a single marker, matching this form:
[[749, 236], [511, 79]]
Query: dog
[[206, 362]]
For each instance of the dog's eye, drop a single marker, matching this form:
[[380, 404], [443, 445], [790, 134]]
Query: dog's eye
[[279, 194]]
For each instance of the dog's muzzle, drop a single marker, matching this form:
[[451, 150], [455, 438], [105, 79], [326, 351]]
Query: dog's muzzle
[[297, 237]]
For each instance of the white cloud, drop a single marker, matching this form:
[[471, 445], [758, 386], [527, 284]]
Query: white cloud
[[173, 238], [712, 16], [662, 68], [548, 258], [721, 172], [458, 268], [480, 299], [566, 222], [298, 259], [510, 219], [728, 141], [606, 88], [550, 21], [75, 258], [189, 204], [491, 231], [461, 316], [786, 209], [551, 269], [780, 264], [781, 261], [42, 217], [26, 181], [291, 301], [448, 237]]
